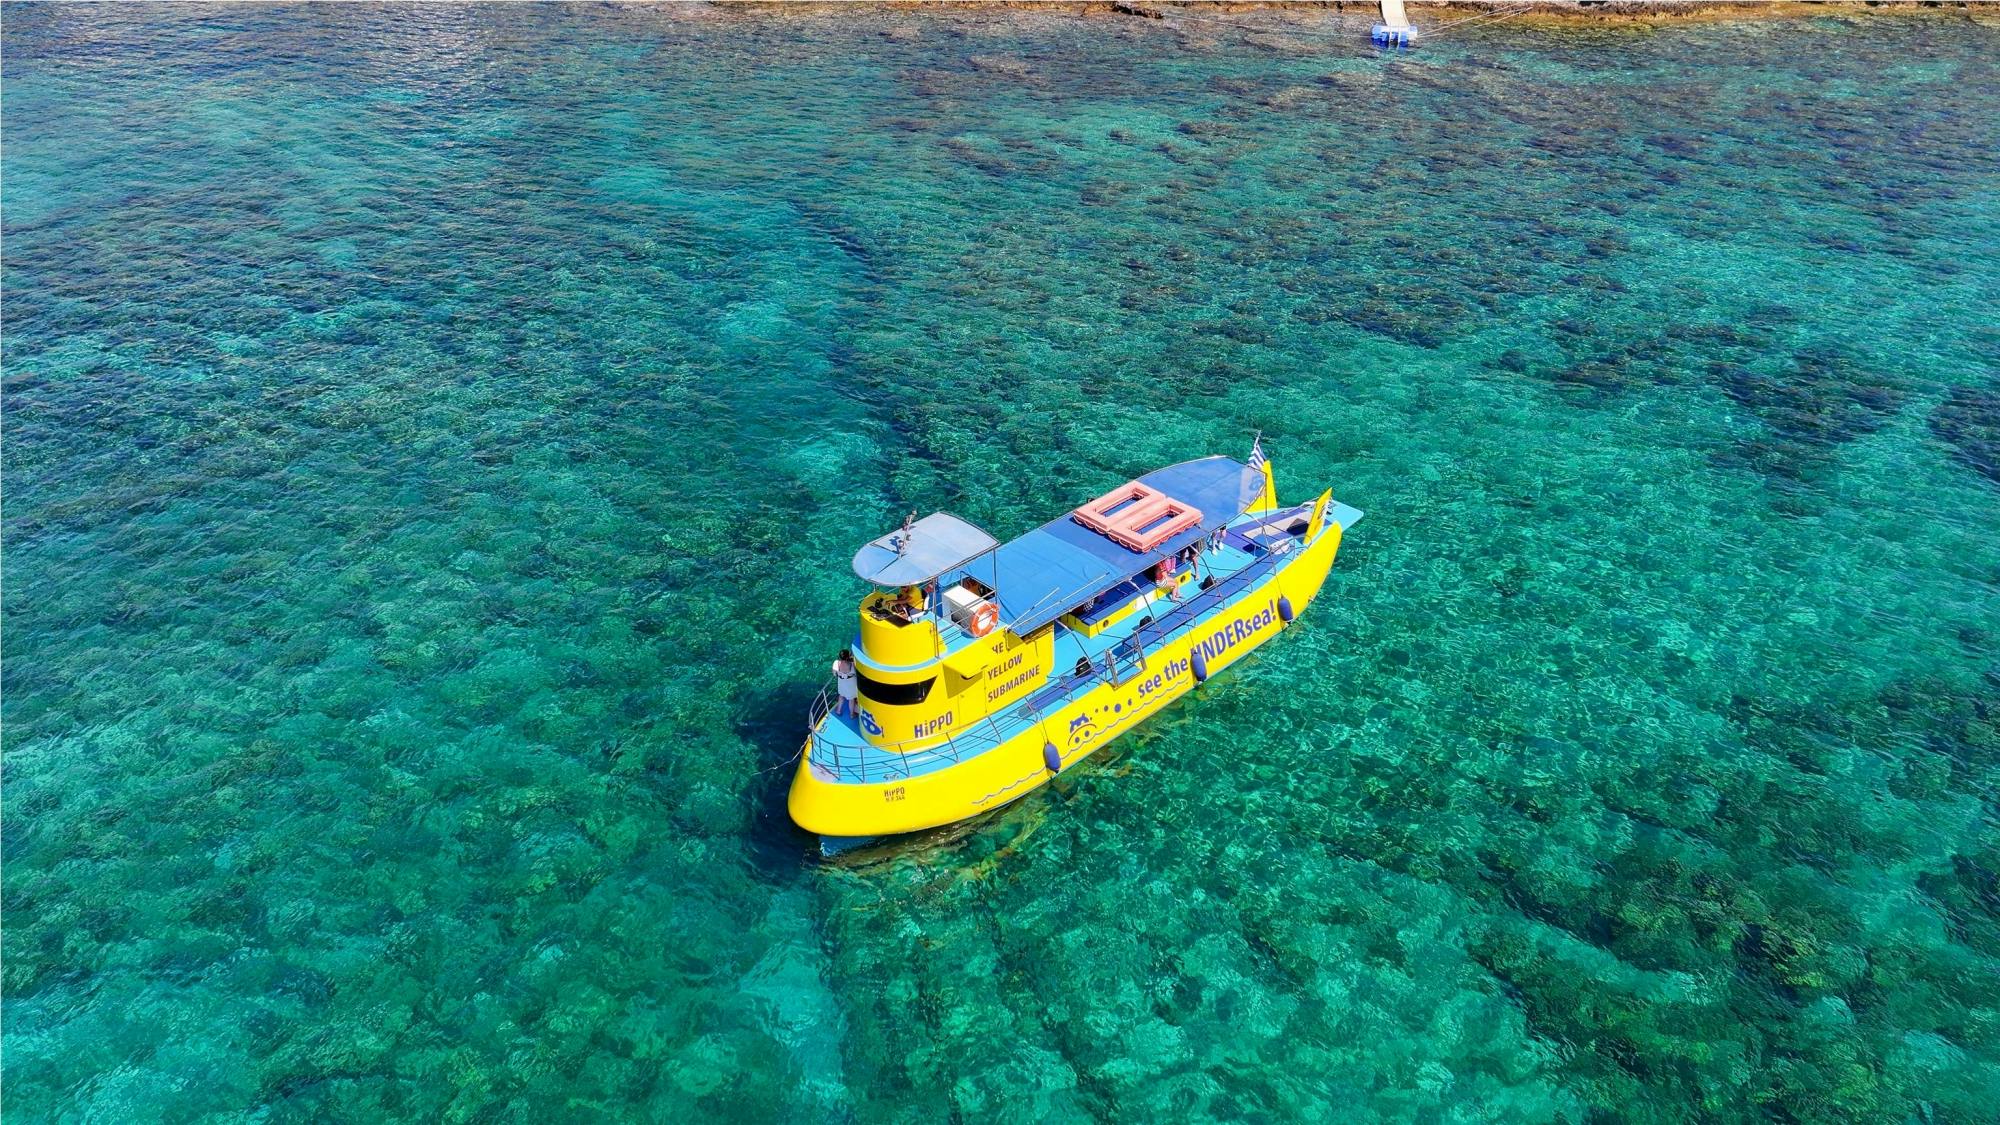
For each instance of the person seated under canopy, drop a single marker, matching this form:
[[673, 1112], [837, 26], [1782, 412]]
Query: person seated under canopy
[[908, 604]]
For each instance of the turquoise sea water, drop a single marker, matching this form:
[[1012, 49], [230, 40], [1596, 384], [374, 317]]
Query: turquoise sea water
[[435, 438]]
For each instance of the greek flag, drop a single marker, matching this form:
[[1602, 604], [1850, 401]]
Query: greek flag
[[1257, 454]]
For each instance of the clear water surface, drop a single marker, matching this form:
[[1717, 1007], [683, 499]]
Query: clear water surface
[[435, 437]]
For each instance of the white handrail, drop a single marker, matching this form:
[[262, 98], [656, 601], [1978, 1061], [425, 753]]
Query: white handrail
[[901, 763]]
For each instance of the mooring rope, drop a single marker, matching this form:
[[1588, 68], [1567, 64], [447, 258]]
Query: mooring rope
[[1495, 14]]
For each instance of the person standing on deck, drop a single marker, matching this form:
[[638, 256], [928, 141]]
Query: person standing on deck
[[849, 687]]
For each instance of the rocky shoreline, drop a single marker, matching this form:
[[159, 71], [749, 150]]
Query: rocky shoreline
[[1576, 9], [1424, 12]]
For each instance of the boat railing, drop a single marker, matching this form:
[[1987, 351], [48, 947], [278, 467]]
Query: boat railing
[[1171, 622], [1151, 635], [886, 762]]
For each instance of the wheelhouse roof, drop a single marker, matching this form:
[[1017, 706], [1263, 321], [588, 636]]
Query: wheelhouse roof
[[937, 543], [1062, 564]]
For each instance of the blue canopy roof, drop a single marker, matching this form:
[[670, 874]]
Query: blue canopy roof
[[1062, 564], [932, 545]]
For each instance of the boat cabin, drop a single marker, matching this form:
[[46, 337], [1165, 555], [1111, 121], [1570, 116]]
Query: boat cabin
[[961, 627]]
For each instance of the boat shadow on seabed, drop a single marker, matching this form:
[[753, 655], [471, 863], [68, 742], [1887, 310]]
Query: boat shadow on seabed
[[768, 721]]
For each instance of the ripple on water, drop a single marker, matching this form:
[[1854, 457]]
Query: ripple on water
[[436, 436]]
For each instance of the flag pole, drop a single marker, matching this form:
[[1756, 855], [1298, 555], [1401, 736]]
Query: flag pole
[[1268, 499]]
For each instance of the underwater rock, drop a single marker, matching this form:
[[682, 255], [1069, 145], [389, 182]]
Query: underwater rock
[[1607, 245], [1396, 323], [1290, 97], [1968, 420], [1282, 44], [1597, 374], [1241, 331], [1424, 77], [1098, 194], [931, 83], [1205, 129], [998, 64], [1351, 82], [1595, 282], [1770, 314], [1825, 398], [1674, 144], [970, 153]]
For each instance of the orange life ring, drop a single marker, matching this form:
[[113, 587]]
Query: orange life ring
[[985, 618]]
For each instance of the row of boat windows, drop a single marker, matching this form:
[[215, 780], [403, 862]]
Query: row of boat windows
[[893, 695]]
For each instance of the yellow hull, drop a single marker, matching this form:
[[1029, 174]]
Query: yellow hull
[[1019, 766]]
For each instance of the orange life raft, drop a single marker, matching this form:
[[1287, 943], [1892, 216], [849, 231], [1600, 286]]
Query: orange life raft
[[1137, 517]]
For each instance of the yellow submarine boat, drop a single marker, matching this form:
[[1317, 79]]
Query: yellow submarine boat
[[983, 670]]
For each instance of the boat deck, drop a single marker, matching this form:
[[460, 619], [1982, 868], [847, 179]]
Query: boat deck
[[1238, 567]]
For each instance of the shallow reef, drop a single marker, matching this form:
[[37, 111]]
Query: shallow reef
[[436, 437]]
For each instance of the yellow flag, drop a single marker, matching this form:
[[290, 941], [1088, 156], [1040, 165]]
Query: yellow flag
[[1319, 515]]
